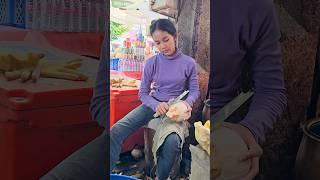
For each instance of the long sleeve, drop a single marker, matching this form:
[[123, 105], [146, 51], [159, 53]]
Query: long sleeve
[[269, 100], [193, 86], [144, 91], [99, 107]]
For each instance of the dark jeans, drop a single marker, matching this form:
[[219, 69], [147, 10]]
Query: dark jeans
[[134, 120]]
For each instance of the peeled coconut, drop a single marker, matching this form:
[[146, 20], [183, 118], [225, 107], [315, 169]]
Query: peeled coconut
[[178, 112], [228, 148]]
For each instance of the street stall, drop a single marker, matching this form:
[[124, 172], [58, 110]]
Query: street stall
[[129, 51], [47, 79]]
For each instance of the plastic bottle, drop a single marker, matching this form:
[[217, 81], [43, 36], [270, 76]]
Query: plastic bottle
[[138, 66], [123, 65], [131, 65], [127, 65], [120, 65], [115, 63]]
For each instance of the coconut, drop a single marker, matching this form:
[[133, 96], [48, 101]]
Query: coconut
[[228, 148], [178, 112]]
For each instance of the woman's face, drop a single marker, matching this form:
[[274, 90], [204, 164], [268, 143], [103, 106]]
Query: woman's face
[[165, 42]]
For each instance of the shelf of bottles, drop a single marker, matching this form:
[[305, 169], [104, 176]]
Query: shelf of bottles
[[132, 56]]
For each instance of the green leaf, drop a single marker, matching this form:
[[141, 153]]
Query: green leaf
[[116, 30]]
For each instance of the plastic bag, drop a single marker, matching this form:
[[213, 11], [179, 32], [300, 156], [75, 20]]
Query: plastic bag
[[202, 134], [200, 163], [228, 148]]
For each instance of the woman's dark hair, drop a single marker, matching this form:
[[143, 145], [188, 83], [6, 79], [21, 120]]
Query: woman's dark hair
[[163, 25]]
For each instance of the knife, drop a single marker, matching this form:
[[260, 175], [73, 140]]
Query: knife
[[180, 97], [225, 112]]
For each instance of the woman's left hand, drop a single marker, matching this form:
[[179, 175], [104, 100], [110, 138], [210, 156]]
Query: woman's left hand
[[254, 153]]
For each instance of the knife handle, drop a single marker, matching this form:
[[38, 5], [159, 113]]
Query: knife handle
[[155, 115], [170, 102]]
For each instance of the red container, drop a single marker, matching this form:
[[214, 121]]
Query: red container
[[41, 124], [134, 75], [122, 101]]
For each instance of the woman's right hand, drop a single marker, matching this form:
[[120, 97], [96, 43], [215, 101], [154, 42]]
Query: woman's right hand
[[162, 108]]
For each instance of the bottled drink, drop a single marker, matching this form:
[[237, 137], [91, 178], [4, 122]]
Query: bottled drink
[[120, 65]]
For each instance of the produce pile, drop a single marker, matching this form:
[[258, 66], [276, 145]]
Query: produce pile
[[32, 66], [120, 82]]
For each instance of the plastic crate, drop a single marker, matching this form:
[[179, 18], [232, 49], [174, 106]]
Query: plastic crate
[[42, 123], [12, 12], [122, 101], [5, 12], [19, 13], [67, 15], [29, 150]]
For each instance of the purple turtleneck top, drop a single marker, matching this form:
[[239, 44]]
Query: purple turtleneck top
[[247, 32], [166, 77]]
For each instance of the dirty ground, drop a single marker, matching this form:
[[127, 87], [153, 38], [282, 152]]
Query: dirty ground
[[129, 166]]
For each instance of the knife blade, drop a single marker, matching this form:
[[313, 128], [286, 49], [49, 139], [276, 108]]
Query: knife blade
[[225, 112], [181, 96]]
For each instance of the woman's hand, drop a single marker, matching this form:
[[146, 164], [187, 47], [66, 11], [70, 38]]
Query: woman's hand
[[254, 150], [162, 108]]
